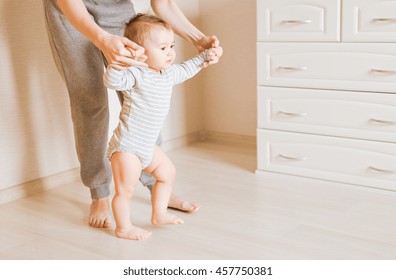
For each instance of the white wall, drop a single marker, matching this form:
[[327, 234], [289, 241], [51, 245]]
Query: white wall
[[230, 87], [35, 131], [35, 128]]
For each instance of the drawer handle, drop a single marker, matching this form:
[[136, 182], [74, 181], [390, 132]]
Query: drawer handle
[[296, 21], [384, 20], [293, 68], [381, 170], [383, 71], [292, 158], [382, 121], [291, 114]]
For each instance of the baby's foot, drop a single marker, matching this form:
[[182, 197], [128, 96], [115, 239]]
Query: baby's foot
[[178, 203], [166, 219], [133, 233], [99, 213]]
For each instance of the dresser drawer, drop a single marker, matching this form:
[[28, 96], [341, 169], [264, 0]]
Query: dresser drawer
[[298, 20], [338, 113], [350, 161], [364, 67], [369, 21]]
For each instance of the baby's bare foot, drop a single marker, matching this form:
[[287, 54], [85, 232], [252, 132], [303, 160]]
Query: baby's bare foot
[[178, 203], [99, 214], [166, 219], [133, 233]]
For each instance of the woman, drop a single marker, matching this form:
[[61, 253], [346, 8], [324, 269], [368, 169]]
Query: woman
[[81, 33]]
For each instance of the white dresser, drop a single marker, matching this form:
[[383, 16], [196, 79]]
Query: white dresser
[[326, 85]]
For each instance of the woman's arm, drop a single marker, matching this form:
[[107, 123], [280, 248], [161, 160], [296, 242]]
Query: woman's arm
[[118, 51], [171, 13]]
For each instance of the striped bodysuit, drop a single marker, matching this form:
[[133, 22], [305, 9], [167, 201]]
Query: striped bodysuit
[[147, 95]]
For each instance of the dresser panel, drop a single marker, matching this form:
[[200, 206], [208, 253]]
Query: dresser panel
[[364, 67], [361, 162], [339, 113], [369, 21], [298, 20]]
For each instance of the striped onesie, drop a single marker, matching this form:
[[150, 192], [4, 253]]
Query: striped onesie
[[147, 95]]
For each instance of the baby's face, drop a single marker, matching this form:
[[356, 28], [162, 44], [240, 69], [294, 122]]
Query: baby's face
[[159, 46]]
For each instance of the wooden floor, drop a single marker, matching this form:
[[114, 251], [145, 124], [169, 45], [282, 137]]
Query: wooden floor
[[243, 216]]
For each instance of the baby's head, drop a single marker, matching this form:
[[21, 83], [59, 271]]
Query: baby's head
[[156, 37]]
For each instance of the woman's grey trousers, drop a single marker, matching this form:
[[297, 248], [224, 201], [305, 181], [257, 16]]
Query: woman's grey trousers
[[81, 65]]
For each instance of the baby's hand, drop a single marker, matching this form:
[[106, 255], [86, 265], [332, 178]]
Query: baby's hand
[[212, 56]]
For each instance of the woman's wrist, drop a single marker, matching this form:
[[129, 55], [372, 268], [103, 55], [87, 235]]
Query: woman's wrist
[[99, 38]]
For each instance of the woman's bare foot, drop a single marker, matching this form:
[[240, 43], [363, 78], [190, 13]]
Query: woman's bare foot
[[133, 233], [99, 214], [166, 219], [176, 202]]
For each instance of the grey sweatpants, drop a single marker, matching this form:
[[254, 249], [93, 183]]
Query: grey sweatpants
[[81, 65]]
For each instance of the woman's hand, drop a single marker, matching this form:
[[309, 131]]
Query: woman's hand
[[212, 43], [120, 52]]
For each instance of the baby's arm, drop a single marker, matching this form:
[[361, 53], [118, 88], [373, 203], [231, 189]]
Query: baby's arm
[[190, 68], [119, 79]]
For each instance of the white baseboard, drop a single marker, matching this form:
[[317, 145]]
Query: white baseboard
[[181, 141], [211, 136], [39, 185], [228, 138]]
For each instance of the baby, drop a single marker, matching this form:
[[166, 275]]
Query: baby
[[147, 94]]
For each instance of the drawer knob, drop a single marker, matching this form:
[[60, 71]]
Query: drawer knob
[[384, 20], [292, 158], [385, 122], [296, 21], [381, 170]]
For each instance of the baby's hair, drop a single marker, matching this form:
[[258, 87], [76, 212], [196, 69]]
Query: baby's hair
[[136, 29]]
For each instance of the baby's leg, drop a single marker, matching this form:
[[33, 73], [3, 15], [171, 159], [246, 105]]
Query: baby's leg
[[164, 172], [126, 170]]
